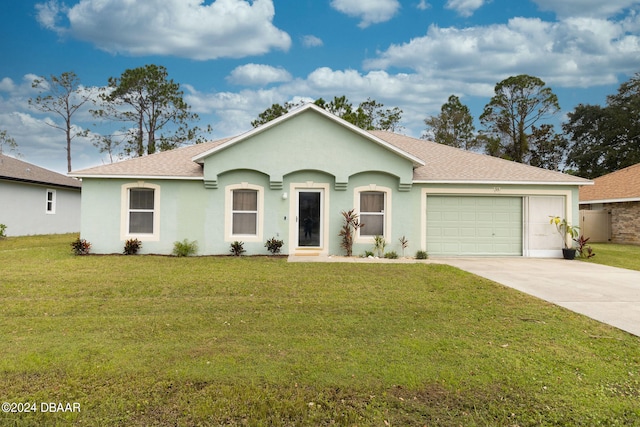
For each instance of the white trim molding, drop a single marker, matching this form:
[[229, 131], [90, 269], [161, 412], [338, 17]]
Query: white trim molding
[[124, 212], [50, 209], [228, 213], [325, 190], [387, 210]]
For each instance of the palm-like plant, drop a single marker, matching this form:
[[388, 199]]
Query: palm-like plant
[[564, 229], [348, 230]]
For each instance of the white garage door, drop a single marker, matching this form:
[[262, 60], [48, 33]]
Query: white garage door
[[470, 225]]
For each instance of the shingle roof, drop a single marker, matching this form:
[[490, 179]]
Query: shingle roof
[[449, 164], [175, 163], [441, 164], [17, 170], [619, 185]]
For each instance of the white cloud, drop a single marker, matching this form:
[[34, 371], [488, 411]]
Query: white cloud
[[39, 143], [48, 14], [7, 85], [571, 53], [311, 41], [415, 93], [369, 11], [258, 74], [464, 8], [423, 5], [184, 28], [14, 96], [592, 8], [234, 110]]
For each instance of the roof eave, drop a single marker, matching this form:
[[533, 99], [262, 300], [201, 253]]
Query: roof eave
[[166, 177], [498, 182], [620, 200], [43, 183]]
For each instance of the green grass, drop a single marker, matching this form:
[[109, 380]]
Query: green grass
[[623, 256], [152, 340]]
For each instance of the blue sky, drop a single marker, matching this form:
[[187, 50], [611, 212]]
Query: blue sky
[[234, 58]]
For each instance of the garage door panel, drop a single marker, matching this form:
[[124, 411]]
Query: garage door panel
[[502, 202], [449, 247], [503, 216], [484, 232], [483, 247], [466, 248], [451, 232], [502, 233], [482, 202], [467, 216], [467, 232], [474, 225]]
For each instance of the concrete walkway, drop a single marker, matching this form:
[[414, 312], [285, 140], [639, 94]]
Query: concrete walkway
[[608, 294]]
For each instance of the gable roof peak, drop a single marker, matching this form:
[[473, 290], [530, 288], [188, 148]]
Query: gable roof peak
[[319, 110]]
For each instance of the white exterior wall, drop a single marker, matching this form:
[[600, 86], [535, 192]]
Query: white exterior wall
[[23, 209]]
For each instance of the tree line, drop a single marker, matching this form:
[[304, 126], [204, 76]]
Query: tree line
[[148, 104], [154, 117], [368, 115], [596, 140]]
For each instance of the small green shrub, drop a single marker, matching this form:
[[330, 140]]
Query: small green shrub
[[237, 248], [391, 255], [132, 246], [185, 248], [422, 255], [274, 245], [80, 246], [368, 254], [2, 229]]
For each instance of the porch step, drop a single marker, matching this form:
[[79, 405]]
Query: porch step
[[306, 252]]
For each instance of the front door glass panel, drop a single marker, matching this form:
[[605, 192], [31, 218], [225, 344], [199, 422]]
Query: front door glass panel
[[309, 218]]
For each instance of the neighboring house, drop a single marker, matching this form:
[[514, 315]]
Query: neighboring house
[[292, 177], [34, 200], [611, 207]]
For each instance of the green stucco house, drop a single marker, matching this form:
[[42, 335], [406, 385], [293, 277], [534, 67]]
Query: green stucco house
[[292, 177]]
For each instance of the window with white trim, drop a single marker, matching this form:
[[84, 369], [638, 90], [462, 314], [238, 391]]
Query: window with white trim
[[141, 210], [51, 202], [244, 212], [372, 213]]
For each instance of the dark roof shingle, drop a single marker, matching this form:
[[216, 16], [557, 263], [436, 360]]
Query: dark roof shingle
[[17, 170]]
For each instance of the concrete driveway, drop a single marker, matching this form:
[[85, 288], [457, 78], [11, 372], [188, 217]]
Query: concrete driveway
[[610, 295]]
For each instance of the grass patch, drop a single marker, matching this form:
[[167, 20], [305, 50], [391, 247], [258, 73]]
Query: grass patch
[[151, 340], [623, 256]]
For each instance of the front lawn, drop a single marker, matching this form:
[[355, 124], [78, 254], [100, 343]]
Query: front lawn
[[623, 256], [154, 340]]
